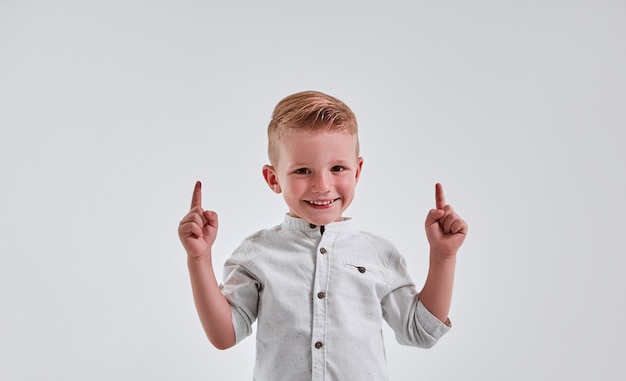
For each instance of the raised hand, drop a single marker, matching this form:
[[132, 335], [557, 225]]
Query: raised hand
[[445, 229], [198, 229]]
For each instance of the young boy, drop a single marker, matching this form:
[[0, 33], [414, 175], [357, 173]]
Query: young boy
[[319, 288]]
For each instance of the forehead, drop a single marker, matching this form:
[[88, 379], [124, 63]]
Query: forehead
[[320, 144], [315, 138]]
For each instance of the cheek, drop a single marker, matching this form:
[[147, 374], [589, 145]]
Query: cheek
[[346, 185], [293, 186]]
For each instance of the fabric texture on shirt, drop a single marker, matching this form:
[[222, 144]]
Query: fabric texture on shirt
[[319, 301]]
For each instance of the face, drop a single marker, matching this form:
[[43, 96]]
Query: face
[[317, 174]]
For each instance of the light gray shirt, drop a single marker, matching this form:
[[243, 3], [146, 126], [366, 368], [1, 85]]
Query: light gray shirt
[[319, 296]]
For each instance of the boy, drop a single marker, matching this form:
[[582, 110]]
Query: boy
[[318, 288]]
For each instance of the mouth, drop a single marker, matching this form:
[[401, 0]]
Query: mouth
[[321, 203]]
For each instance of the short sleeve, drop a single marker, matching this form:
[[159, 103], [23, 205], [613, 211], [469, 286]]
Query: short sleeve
[[241, 288], [411, 322]]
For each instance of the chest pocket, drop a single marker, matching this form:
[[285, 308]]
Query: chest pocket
[[363, 277]]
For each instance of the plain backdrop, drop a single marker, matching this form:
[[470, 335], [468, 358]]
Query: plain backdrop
[[111, 110]]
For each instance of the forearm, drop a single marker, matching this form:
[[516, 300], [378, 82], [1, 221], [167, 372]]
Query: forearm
[[213, 308], [436, 295]]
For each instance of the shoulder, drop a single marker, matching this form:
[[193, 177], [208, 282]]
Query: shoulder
[[375, 240], [250, 247], [376, 244], [260, 237], [264, 236]]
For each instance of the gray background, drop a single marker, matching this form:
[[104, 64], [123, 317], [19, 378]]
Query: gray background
[[110, 110]]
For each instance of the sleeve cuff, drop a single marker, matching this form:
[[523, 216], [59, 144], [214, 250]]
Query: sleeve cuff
[[433, 326], [241, 323]]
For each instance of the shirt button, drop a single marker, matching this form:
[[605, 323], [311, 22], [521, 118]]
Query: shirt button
[[321, 295], [323, 251], [318, 345], [312, 226], [361, 269]]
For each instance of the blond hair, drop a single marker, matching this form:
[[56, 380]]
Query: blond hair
[[309, 111]]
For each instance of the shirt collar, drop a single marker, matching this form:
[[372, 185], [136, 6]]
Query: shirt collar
[[293, 223]]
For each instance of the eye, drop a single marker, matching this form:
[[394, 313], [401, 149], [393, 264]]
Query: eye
[[302, 171], [337, 168]]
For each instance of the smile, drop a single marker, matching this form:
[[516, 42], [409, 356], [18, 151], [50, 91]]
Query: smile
[[322, 203]]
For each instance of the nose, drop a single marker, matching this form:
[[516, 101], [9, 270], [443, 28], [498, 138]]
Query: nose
[[321, 182]]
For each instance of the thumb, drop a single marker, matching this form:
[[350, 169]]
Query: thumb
[[211, 218], [433, 216]]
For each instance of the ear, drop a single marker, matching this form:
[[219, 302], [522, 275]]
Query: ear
[[269, 174], [359, 167]]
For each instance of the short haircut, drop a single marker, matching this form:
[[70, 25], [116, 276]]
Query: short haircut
[[309, 111]]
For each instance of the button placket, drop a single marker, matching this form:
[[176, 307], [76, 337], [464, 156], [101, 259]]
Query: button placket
[[319, 324]]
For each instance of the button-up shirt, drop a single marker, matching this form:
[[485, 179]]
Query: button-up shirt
[[319, 296]]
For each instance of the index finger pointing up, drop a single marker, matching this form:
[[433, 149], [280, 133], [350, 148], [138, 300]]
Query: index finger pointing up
[[196, 199], [440, 199]]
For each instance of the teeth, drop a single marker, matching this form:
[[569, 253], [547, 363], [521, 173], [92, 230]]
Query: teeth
[[321, 202]]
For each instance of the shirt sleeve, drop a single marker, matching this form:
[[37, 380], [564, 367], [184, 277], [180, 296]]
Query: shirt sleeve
[[241, 288], [411, 322]]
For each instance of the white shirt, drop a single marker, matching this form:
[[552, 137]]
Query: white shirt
[[320, 295]]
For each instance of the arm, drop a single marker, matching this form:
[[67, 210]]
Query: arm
[[197, 232], [446, 232]]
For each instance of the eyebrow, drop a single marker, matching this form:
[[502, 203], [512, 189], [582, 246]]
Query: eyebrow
[[345, 163]]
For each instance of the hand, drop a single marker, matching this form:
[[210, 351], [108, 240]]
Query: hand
[[445, 229], [198, 229]]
